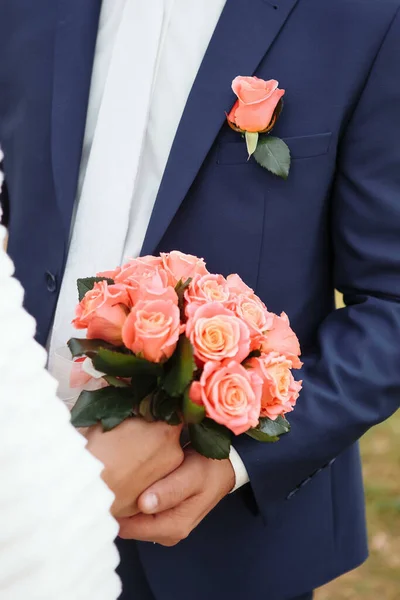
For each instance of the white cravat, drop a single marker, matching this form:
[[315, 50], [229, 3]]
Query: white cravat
[[147, 57]]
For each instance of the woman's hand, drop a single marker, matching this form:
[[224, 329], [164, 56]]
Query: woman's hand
[[135, 455]]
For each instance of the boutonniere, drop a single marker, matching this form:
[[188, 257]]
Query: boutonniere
[[254, 115]]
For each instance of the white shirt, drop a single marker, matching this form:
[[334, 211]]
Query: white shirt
[[146, 60]]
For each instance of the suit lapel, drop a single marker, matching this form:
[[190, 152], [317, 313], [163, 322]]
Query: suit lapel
[[73, 60], [245, 31]]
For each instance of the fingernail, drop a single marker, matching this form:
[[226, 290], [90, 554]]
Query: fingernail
[[150, 502]]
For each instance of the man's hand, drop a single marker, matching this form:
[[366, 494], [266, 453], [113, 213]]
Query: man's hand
[[135, 455], [174, 506]]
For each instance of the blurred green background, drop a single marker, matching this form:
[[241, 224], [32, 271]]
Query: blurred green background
[[379, 577]]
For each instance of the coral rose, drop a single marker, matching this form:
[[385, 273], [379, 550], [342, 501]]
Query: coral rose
[[145, 279], [152, 329], [257, 101], [216, 333], [280, 390], [137, 269], [282, 339], [180, 266], [252, 310], [152, 287], [107, 323], [237, 286], [207, 288], [109, 274], [230, 394], [102, 312]]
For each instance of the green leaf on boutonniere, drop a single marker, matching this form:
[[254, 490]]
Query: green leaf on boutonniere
[[120, 364], [251, 141], [84, 347], [269, 430], [180, 288], [87, 283], [273, 154], [211, 439], [111, 404], [192, 413], [180, 368]]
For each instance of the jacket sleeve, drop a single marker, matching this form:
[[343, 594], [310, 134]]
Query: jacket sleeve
[[352, 378]]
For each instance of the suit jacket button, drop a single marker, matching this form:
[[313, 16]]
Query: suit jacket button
[[51, 282]]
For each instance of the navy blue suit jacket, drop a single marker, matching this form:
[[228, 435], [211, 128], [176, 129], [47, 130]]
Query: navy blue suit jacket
[[334, 223]]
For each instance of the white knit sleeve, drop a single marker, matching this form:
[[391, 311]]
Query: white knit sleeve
[[56, 532]]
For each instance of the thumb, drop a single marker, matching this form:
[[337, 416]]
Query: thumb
[[169, 492]]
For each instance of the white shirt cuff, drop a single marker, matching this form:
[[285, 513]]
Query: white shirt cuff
[[241, 475]]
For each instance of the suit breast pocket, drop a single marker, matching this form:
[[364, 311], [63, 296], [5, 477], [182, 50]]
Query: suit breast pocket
[[305, 146]]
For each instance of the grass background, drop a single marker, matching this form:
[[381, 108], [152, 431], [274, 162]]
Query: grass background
[[379, 577]]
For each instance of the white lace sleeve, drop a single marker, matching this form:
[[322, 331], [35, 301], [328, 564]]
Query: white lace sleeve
[[56, 532]]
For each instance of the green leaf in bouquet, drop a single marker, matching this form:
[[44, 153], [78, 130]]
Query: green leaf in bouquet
[[269, 430], [110, 423], [114, 381], [180, 288], [166, 408], [87, 283], [84, 347], [143, 385], [120, 364], [211, 439], [258, 435], [273, 154], [105, 404], [180, 368], [145, 409], [173, 419], [192, 413], [277, 427]]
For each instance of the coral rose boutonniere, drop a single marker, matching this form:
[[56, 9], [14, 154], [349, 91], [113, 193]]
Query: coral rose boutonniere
[[254, 115]]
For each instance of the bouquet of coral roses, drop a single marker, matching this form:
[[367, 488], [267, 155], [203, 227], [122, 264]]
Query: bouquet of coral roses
[[167, 340]]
